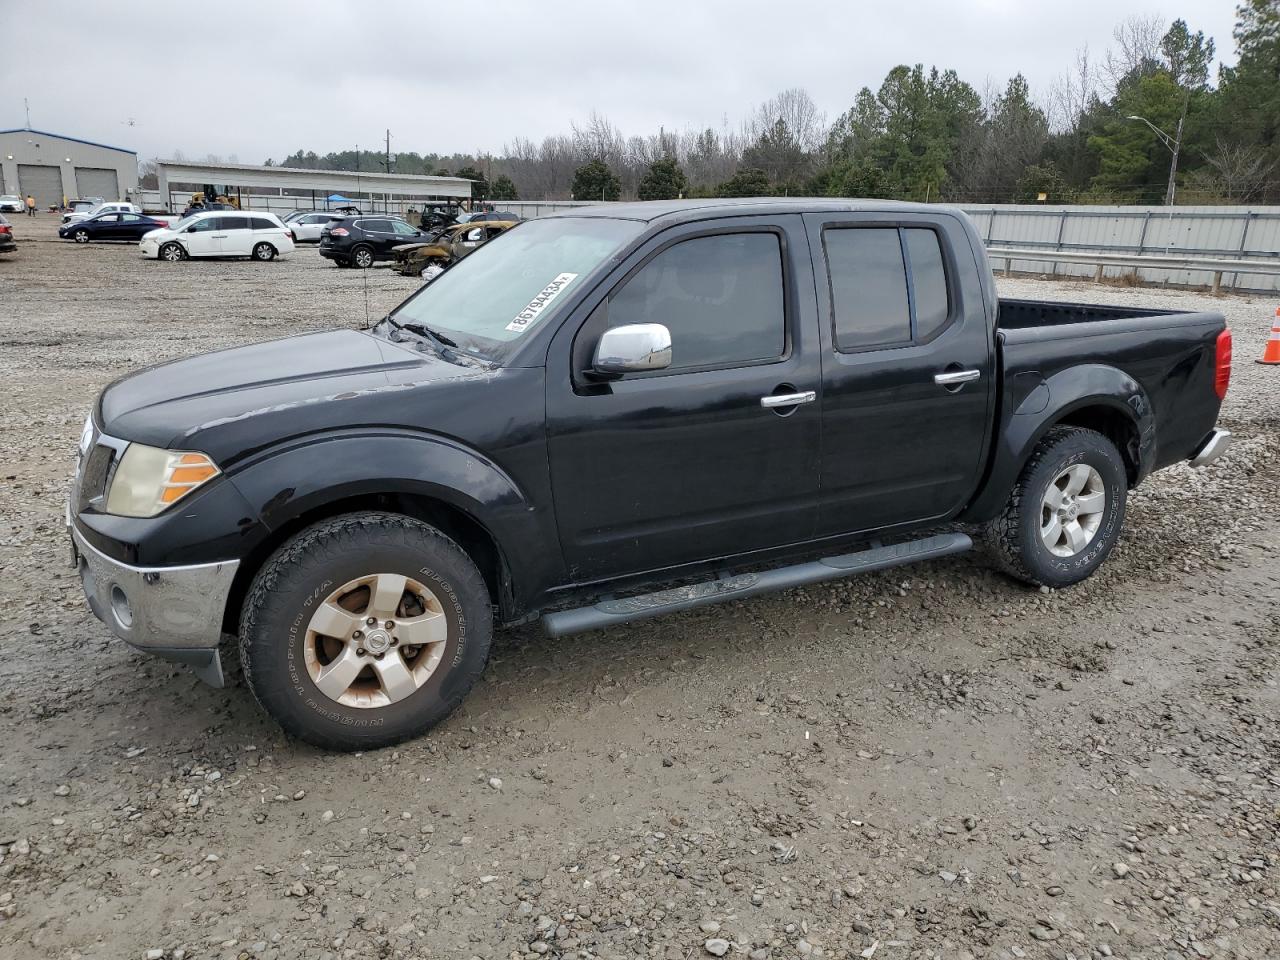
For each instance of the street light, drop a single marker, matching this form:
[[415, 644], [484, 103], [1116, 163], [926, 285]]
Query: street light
[[1174, 145]]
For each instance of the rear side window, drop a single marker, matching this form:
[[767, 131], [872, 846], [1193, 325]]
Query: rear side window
[[928, 282], [233, 223], [261, 223], [721, 297], [868, 287], [888, 286]]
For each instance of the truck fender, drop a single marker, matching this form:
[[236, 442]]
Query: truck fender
[[290, 481], [1057, 399]]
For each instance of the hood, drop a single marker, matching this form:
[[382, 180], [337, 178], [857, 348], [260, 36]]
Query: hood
[[224, 403]]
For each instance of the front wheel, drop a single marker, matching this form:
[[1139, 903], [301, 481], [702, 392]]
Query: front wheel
[[365, 630], [1065, 512], [172, 252], [264, 252], [82, 236]]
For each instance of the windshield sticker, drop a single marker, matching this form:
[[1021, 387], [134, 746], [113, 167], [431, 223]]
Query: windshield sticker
[[529, 315]]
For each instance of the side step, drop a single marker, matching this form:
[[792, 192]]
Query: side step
[[608, 613]]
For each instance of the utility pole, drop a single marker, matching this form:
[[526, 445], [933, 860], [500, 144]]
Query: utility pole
[[27, 106], [1173, 145], [388, 160]]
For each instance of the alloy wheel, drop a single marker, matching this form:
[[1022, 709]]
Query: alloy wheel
[[375, 640], [1071, 511]]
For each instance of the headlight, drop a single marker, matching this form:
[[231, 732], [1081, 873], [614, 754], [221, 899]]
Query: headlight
[[149, 480]]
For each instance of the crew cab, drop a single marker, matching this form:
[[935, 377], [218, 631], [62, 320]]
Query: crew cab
[[614, 413]]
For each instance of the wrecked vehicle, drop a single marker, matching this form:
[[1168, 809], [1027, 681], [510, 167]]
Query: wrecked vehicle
[[428, 260], [612, 413]]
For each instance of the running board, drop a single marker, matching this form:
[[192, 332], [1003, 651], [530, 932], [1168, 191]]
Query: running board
[[607, 613]]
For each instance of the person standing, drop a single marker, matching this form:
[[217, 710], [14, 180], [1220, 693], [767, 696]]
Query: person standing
[[31, 205]]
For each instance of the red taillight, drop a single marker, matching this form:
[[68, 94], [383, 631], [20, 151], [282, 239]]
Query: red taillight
[[1222, 365], [4, 228], [339, 232], [163, 223]]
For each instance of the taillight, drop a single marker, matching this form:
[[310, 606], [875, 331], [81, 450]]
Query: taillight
[[163, 223], [1222, 364], [339, 232], [4, 228]]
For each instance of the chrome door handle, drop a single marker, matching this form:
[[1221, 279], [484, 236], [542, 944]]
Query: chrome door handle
[[956, 377], [788, 399]]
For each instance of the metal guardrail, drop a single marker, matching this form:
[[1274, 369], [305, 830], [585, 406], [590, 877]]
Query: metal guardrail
[[1212, 265]]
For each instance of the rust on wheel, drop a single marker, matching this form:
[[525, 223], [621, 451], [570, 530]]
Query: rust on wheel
[[375, 640]]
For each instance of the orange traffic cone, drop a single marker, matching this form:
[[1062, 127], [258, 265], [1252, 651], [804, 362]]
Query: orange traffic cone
[[1271, 353]]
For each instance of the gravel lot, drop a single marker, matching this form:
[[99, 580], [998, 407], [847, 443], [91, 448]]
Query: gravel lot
[[930, 762]]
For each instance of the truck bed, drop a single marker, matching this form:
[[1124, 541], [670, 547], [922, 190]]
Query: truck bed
[[1026, 314]]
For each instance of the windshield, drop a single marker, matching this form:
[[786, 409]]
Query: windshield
[[491, 299]]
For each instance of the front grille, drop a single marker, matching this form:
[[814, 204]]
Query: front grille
[[94, 470]]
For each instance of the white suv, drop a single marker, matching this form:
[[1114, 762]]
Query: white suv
[[220, 233]]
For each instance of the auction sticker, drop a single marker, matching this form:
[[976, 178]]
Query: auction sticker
[[529, 315]]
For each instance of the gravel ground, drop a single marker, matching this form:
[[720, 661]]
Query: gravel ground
[[930, 762]]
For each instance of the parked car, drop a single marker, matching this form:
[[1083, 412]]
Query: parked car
[[111, 226], [115, 206], [219, 234], [10, 204], [307, 228], [362, 241], [79, 205], [431, 258], [483, 216], [762, 393], [7, 243]]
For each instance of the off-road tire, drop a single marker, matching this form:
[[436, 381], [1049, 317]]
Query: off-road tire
[[283, 594], [1013, 538], [264, 252]]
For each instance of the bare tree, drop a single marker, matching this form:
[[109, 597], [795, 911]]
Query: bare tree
[[1137, 48], [1237, 173], [1074, 93]]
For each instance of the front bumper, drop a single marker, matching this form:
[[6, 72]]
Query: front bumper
[[1214, 446], [171, 612]]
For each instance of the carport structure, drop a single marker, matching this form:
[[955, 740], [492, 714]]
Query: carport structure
[[245, 178]]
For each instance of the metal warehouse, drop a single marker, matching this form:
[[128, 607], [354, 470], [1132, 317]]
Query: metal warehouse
[[52, 167]]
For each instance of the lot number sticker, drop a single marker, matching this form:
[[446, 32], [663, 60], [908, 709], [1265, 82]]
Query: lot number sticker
[[529, 315]]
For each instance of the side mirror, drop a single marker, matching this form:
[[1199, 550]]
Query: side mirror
[[190, 229], [633, 349]]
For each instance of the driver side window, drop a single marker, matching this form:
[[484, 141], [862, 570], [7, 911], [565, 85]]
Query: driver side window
[[720, 296], [205, 225]]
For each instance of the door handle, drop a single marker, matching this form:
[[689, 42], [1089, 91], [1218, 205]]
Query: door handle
[[217, 236], [954, 378], [788, 399]]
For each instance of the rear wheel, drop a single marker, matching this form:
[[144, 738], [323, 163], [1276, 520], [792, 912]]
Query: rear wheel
[[81, 236], [172, 252], [264, 252], [365, 630], [362, 257], [1065, 512]]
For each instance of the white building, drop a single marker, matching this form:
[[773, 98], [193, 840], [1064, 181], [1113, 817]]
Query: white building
[[52, 168]]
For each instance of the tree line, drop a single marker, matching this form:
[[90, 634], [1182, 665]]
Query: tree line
[[1105, 132]]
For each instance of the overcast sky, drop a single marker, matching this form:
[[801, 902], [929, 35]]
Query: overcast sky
[[262, 79]]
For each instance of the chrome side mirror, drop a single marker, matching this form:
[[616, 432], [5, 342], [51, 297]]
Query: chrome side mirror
[[634, 348]]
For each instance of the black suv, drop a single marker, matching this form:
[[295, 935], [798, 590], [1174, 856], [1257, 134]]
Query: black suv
[[360, 241]]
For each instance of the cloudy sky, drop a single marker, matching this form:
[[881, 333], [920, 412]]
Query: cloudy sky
[[261, 79]]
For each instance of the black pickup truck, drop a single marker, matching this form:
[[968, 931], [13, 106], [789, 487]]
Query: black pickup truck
[[610, 414]]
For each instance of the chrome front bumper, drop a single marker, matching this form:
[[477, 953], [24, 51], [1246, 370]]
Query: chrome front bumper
[[171, 612], [1214, 447]]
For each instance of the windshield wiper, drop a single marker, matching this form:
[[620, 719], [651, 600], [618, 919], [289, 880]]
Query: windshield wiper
[[437, 339]]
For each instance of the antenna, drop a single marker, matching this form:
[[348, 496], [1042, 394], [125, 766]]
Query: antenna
[[365, 273], [26, 104]]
